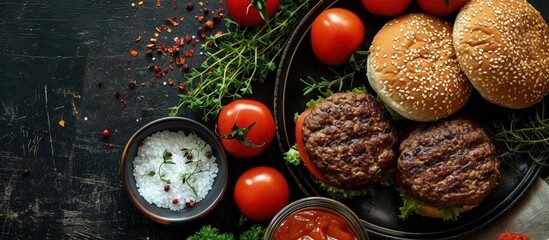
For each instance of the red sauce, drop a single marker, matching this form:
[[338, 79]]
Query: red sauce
[[314, 224], [513, 236]]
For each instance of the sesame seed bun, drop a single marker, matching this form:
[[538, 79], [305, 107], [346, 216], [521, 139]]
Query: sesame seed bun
[[503, 48], [412, 66]]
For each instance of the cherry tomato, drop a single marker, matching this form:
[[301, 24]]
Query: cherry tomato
[[386, 8], [248, 15], [335, 34], [261, 192], [246, 128], [439, 7], [303, 152]]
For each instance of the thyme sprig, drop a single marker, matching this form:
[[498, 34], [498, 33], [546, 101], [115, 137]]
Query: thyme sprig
[[244, 55], [166, 159], [523, 138], [355, 66]]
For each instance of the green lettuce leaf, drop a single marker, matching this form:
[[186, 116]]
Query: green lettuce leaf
[[411, 206], [292, 155]]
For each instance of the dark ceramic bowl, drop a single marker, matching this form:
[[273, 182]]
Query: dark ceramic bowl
[[165, 215]]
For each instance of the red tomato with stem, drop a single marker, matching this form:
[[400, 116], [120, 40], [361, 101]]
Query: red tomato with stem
[[441, 7], [335, 34], [251, 12], [246, 128], [386, 8], [261, 192]]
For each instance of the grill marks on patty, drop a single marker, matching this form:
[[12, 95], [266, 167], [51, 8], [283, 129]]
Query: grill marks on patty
[[449, 163], [350, 139]]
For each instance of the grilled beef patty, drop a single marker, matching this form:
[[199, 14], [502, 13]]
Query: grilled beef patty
[[350, 138], [450, 163]]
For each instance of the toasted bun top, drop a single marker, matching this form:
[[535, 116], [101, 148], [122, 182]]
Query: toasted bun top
[[413, 68], [503, 48]]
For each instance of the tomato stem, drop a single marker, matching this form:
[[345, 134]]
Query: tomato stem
[[239, 134], [261, 7]]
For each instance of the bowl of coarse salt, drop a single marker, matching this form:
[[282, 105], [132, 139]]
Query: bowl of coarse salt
[[174, 170]]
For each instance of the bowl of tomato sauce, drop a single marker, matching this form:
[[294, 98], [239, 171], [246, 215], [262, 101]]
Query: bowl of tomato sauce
[[316, 218]]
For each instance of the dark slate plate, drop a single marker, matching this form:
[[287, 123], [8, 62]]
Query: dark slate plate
[[380, 212]]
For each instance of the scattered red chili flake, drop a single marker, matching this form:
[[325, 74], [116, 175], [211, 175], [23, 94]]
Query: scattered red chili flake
[[143, 84], [170, 67], [174, 7], [188, 93], [158, 4], [110, 145], [201, 18], [138, 38], [185, 67], [123, 101], [173, 22], [170, 81], [188, 39], [149, 52], [131, 84], [106, 133], [181, 87], [153, 40], [167, 188], [189, 53], [179, 61], [209, 24], [175, 201], [133, 52]]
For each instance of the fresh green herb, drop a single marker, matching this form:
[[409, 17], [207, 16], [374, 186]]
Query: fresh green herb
[[254, 233], [244, 55], [166, 159], [210, 233], [190, 177], [523, 138], [356, 66]]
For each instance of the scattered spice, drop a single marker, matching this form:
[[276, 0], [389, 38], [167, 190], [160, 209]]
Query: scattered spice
[[173, 22], [175, 201], [189, 203], [133, 53], [158, 4], [62, 123], [190, 6], [131, 84], [167, 188], [124, 102], [138, 38], [110, 146], [106, 133], [170, 81]]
